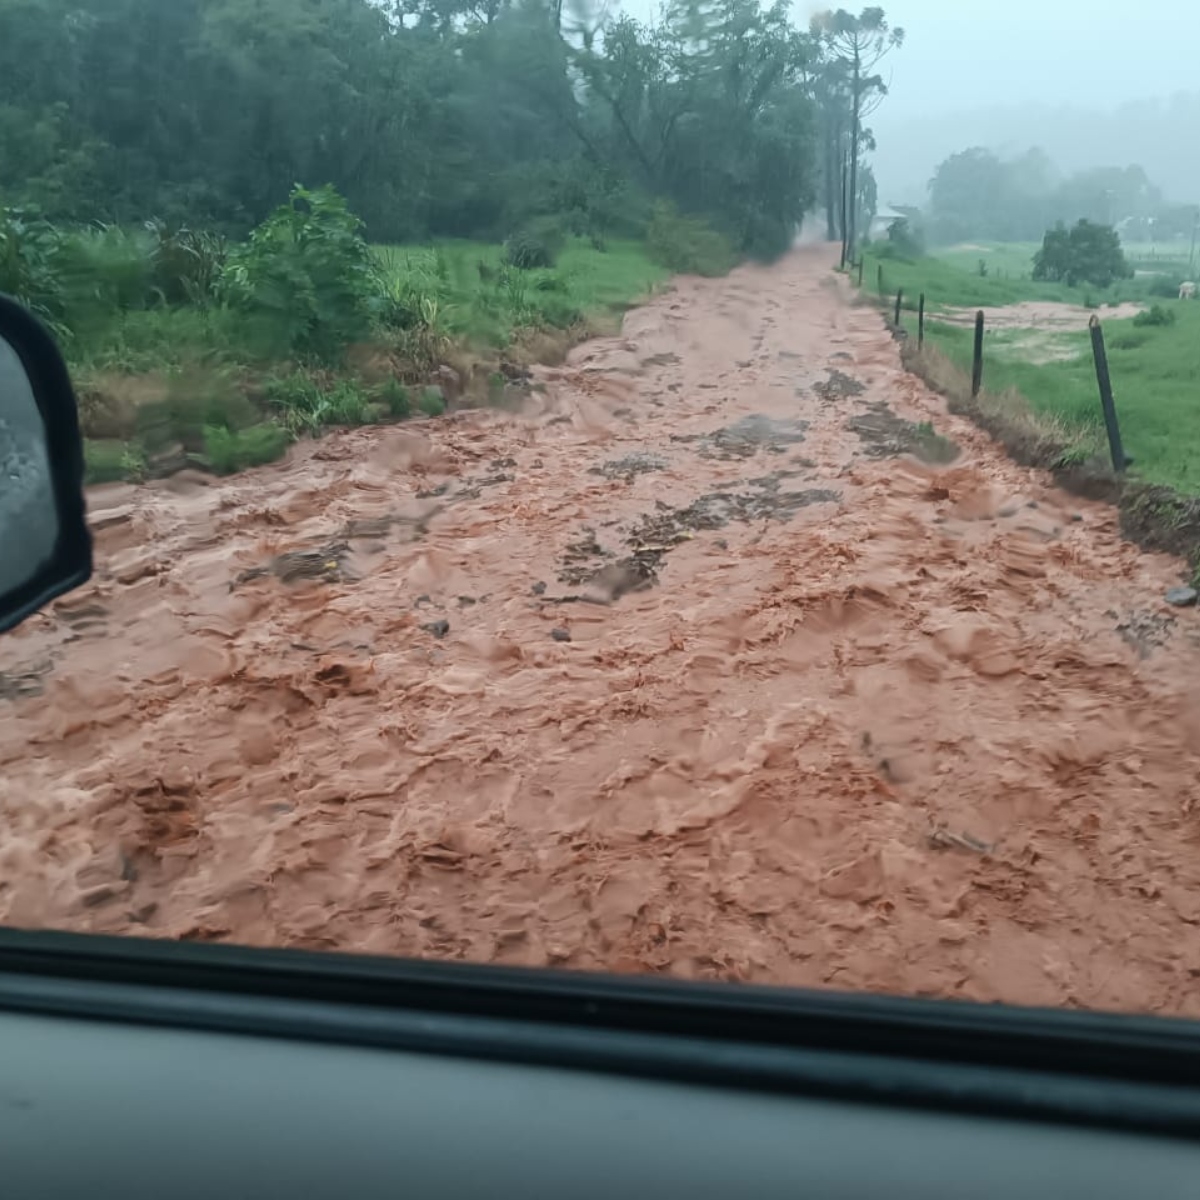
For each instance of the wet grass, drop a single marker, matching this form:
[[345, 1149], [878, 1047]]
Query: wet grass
[[953, 284], [1156, 381], [1014, 260], [478, 298], [169, 386]]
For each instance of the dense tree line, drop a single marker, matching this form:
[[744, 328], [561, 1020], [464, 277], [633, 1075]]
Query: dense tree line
[[435, 117], [977, 194]]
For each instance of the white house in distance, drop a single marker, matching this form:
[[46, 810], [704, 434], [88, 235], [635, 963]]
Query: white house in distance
[[883, 220]]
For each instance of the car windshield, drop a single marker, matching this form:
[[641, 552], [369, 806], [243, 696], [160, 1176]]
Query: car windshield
[[704, 490]]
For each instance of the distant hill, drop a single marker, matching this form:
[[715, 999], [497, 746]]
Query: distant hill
[[1160, 135]]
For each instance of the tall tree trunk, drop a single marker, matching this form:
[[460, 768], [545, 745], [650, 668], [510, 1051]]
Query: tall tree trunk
[[829, 173], [845, 202], [856, 118]]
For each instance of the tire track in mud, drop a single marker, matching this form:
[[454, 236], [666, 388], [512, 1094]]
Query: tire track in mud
[[695, 665]]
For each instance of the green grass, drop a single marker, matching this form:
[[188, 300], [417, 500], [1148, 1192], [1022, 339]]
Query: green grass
[[1012, 260], [951, 280], [472, 294], [105, 460], [139, 341], [230, 450], [197, 377], [1154, 362], [1156, 383]]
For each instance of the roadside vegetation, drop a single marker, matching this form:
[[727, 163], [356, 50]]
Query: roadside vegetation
[[480, 186], [994, 275], [1040, 394]]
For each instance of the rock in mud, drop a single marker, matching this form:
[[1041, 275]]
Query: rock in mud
[[449, 380], [629, 466], [439, 629], [1181, 597], [838, 386], [561, 635], [326, 563]]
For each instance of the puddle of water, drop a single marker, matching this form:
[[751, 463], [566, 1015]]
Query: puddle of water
[[746, 437]]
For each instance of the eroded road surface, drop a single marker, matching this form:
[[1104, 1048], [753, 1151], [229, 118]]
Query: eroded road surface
[[706, 663]]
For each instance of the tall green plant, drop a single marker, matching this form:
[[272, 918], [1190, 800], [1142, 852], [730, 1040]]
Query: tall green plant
[[29, 248], [306, 276]]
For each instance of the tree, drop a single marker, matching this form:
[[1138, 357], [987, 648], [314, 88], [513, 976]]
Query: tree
[[1086, 253], [431, 117], [971, 195], [859, 43]]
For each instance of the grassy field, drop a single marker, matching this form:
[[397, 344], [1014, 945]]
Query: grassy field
[[484, 302], [1155, 367], [1015, 259], [951, 279], [1156, 381]]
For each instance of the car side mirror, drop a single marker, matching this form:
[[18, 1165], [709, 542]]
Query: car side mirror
[[45, 546]]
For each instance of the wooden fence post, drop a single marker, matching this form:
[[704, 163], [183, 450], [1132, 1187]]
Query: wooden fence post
[[860, 270], [879, 276], [921, 322], [977, 361], [899, 298], [1119, 461]]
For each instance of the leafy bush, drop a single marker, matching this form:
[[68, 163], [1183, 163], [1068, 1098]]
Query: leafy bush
[[395, 398], [558, 312], [103, 271], [688, 245], [432, 403], [104, 461], [581, 197], [905, 240], [1155, 315], [1086, 253], [197, 400], [307, 275], [227, 451], [305, 407]]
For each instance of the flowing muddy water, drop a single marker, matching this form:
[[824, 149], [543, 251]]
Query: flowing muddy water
[[700, 664]]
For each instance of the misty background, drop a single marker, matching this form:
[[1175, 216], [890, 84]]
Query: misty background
[[1091, 84]]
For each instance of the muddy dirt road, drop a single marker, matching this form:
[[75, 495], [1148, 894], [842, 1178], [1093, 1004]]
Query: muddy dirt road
[[694, 666]]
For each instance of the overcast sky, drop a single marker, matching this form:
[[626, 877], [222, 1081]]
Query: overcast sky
[[977, 53]]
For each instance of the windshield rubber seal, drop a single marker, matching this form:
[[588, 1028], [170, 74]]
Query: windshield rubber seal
[[1114, 1070]]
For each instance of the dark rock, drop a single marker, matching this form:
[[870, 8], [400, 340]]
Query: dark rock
[[539, 589], [420, 600], [561, 635], [439, 629], [449, 379], [1181, 597]]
